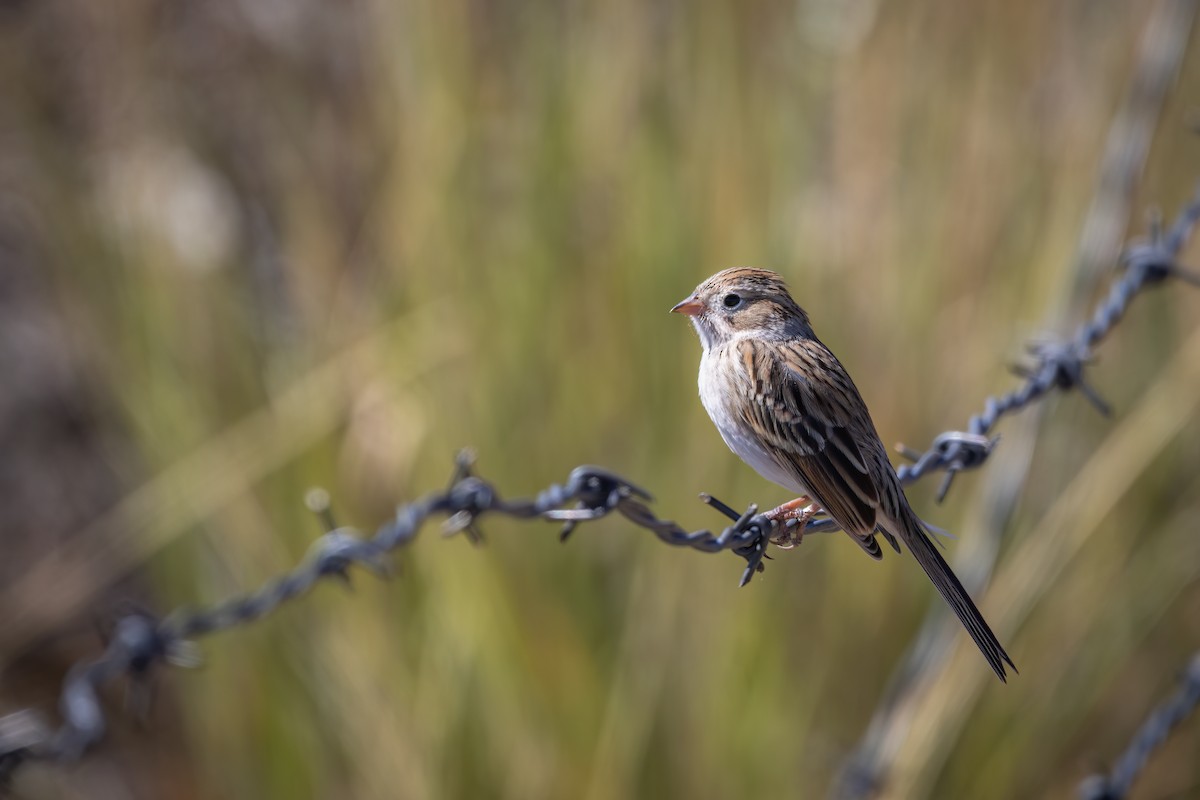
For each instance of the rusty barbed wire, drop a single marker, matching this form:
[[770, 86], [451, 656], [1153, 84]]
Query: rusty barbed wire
[[141, 642]]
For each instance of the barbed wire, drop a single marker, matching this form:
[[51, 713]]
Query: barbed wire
[[1159, 57], [141, 642], [1150, 736], [1060, 364], [1057, 366]]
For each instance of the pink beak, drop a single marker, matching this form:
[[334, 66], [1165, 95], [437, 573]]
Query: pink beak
[[690, 307]]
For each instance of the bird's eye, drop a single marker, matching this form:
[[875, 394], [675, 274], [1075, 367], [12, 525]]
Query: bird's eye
[[732, 300]]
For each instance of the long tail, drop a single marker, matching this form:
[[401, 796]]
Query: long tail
[[952, 591]]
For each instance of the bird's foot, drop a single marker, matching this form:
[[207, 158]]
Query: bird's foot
[[790, 519]]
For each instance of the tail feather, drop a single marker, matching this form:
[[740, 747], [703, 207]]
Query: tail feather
[[869, 545], [956, 596]]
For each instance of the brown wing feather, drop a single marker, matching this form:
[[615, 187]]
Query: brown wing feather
[[807, 422]]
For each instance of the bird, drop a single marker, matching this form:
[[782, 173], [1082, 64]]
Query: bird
[[786, 406]]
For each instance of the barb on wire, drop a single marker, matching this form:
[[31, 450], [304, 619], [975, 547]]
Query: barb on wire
[[1152, 734], [1060, 364], [141, 642], [1055, 366]]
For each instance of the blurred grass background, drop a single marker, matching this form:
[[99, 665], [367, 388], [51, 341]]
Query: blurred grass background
[[250, 247]]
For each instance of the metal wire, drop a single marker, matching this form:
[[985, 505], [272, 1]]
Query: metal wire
[[141, 642], [1059, 364], [1150, 736]]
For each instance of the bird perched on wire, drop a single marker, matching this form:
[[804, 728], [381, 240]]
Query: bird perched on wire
[[784, 403]]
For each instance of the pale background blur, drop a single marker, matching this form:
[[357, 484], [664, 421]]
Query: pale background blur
[[248, 247]]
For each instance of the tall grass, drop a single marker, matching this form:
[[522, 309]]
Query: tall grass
[[330, 244]]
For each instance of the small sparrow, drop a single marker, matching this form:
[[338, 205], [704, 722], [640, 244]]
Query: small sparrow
[[784, 403]]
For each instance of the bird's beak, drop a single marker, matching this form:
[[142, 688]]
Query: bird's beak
[[690, 307]]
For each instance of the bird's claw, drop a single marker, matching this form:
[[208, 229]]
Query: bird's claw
[[788, 521]]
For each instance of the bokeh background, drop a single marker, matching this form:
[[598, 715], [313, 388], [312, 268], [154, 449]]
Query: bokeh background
[[252, 246]]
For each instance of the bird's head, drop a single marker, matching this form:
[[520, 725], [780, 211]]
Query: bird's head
[[744, 301]]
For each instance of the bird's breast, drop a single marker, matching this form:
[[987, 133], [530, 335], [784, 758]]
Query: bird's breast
[[722, 394]]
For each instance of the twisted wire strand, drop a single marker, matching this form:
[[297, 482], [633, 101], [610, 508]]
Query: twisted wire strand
[[1149, 737], [141, 642], [1056, 366], [1060, 364]]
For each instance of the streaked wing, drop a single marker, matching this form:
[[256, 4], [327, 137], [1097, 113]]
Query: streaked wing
[[804, 406]]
